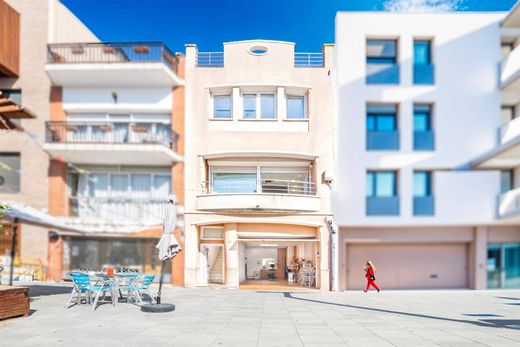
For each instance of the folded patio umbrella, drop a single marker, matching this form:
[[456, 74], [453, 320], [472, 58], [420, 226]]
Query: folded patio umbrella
[[168, 246]]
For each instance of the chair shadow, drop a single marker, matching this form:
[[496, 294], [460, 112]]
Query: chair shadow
[[36, 290], [513, 324], [506, 298]]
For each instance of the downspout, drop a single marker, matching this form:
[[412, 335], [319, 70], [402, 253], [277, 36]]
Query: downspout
[[333, 229], [13, 250]]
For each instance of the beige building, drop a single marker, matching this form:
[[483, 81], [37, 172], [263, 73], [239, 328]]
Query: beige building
[[258, 164], [29, 25]]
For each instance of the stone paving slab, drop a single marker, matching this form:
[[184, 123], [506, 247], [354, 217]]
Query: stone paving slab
[[210, 317]]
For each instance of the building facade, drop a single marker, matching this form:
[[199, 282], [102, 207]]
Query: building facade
[[417, 102], [257, 164], [26, 28], [114, 141]]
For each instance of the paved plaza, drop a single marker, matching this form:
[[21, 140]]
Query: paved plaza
[[221, 317]]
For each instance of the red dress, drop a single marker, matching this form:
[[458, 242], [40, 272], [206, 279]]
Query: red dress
[[370, 279]]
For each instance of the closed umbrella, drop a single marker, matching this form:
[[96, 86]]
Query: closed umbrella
[[168, 249]]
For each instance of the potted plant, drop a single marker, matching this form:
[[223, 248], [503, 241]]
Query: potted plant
[[142, 49]]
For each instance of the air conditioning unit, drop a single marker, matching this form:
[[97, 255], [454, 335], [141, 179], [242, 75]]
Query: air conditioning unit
[[327, 176]]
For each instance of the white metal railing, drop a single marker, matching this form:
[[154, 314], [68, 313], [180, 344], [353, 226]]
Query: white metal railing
[[112, 208], [308, 59], [509, 202], [509, 131], [210, 59], [262, 186]]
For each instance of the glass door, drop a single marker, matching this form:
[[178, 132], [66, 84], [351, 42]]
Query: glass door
[[512, 265], [494, 266]]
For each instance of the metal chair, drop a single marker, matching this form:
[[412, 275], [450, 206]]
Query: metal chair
[[81, 283], [103, 284], [143, 286], [127, 282]]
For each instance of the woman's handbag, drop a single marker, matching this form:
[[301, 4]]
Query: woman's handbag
[[372, 277]]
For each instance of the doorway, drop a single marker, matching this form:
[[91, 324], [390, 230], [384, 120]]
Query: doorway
[[503, 266], [213, 257]]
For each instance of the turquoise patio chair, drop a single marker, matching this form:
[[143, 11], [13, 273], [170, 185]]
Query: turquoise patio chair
[[103, 284], [81, 285], [126, 282], [143, 287]]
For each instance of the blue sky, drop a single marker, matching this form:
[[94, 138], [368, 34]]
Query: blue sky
[[208, 23]]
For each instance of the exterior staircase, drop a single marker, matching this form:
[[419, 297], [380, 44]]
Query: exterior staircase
[[215, 271]]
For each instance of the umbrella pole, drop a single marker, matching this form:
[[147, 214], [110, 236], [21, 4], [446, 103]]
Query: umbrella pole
[[160, 283], [13, 250]]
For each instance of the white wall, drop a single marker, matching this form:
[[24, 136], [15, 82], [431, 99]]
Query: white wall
[[65, 27], [128, 99], [466, 110], [255, 255]]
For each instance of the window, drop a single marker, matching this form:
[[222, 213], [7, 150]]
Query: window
[[381, 184], [295, 107], [381, 118], [506, 180], [249, 101], [421, 118], [422, 52], [506, 48], [259, 105], [9, 173], [421, 184], [123, 185], [233, 180], [222, 106], [212, 233], [422, 62], [286, 180], [381, 57]]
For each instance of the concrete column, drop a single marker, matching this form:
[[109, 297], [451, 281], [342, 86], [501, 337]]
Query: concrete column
[[324, 278], [191, 252], [479, 258], [236, 104], [231, 255], [281, 104], [55, 259], [405, 187], [58, 200]]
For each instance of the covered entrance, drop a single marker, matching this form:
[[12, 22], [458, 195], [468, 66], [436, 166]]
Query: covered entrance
[[278, 264], [503, 265]]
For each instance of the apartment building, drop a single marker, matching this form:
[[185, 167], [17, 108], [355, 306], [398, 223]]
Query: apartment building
[[417, 108], [258, 163], [26, 26], [115, 138]]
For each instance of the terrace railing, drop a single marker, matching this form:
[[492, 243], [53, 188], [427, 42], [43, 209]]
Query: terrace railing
[[262, 186], [210, 59], [110, 133], [308, 59], [106, 52]]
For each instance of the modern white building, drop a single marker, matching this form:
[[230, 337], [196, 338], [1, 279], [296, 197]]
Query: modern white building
[[418, 105]]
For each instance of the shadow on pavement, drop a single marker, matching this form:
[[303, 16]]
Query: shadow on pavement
[[490, 323], [36, 290]]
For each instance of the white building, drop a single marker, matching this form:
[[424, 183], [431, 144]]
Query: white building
[[417, 102]]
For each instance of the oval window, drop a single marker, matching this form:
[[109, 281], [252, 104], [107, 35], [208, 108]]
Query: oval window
[[258, 50]]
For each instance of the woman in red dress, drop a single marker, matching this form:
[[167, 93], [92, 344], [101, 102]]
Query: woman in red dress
[[370, 271]]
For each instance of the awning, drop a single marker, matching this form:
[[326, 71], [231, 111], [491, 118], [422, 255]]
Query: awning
[[29, 215]]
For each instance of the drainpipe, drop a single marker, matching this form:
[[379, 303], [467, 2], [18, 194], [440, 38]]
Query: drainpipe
[[333, 229], [13, 250]]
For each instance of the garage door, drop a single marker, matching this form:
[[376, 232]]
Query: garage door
[[409, 266]]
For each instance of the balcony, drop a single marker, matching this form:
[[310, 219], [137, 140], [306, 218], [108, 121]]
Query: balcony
[[382, 74], [509, 131], [509, 203], [510, 71], [141, 64], [423, 205], [423, 140], [423, 74], [265, 195], [506, 155], [382, 140], [113, 143], [382, 206], [308, 59]]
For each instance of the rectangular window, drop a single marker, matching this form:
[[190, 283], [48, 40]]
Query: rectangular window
[[13, 94], [162, 186], [222, 106], [506, 180], [212, 233], [421, 118], [508, 113], [381, 51], [249, 101], [506, 48], [9, 173], [295, 107], [267, 106], [233, 180], [381, 184], [286, 180], [381, 118], [141, 185], [422, 52], [119, 185], [422, 184]]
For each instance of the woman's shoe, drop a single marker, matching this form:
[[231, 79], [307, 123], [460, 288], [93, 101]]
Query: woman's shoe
[[365, 290]]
